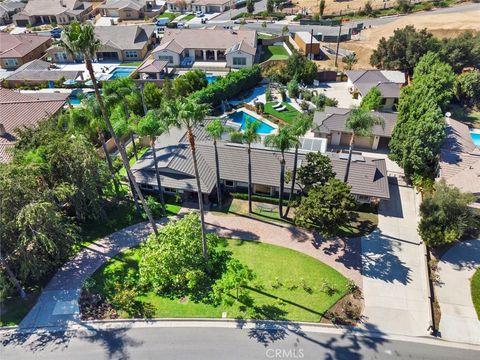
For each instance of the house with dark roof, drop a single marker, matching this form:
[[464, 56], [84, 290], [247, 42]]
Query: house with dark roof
[[53, 11], [118, 43], [18, 110], [8, 9], [227, 47], [389, 83], [460, 159], [126, 9], [17, 50], [367, 177], [39, 72], [331, 125]]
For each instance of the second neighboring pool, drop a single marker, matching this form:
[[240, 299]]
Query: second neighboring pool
[[211, 78], [240, 117], [120, 71], [475, 134]]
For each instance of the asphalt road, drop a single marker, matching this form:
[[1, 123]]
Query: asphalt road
[[217, 343]]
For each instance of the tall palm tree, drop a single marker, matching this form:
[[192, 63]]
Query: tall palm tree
[[282, 141], [186, 113], [77, 38], [302, 124], [216, 129], [248, 136], [350, 60], [154, 125], [360, 122]]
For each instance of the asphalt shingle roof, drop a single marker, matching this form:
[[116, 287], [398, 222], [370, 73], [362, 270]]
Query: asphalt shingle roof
[[12, 46]]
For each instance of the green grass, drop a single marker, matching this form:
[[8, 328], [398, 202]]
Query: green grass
[[270, 263], [171, 16], [274, 52], [14, 309], [287, 115], [475, 286], [130, 63], [264, 36], [188, 17]]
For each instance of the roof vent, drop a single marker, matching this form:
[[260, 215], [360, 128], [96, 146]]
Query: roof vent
[[3, 132]]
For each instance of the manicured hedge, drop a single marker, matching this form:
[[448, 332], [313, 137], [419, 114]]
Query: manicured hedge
[[229, 86]]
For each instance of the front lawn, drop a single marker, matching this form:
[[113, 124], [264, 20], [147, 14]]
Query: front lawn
[[169, 15], [475, 286], [288, 115], [188, 17], [465, 115], [14, 309], [289, 285], [274, 52]]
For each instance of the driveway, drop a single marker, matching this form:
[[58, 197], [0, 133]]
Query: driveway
[[459, 321], [394, 269], [339, 91]]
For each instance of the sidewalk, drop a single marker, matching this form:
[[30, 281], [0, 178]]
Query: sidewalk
[[394, 270], [459, 321]]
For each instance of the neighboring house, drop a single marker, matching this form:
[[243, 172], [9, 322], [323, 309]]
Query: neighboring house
[[153, 69], [182, 47], [205, 6], [8, 9], [16, 50], [24, 110], [307, 43], [368, 177], [460, 159], [330, 124], [126, 9], [39, 72], [53, 11], [119, 43], [387, 81]]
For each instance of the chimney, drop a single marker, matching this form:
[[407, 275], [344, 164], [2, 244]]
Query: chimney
[[3, 132]]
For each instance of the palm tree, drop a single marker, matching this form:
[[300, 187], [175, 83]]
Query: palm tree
[[282, 141], [216, 129], [302, 124], [187, 113], [153, 125], [350, 60], [248, 136], [77, 38], [360, 122]]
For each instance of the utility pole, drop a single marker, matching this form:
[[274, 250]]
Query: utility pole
[[338, 39], [311, 45]]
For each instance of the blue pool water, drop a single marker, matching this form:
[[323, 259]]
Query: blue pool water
[[211, 78], [73, 100], [475, 137], [120, 72], [241, 117]]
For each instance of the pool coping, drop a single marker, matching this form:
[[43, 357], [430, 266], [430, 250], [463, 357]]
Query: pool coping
[[259, 117]]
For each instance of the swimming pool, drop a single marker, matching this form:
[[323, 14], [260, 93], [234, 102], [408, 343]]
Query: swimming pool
[[240, 117], [121, 71], [475, 134], [211, 78]]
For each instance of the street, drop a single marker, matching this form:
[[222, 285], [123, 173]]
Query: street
[[189, 340]]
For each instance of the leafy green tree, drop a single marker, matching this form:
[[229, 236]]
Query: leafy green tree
[[152, 95], [167, 90], [215, 130], [350, 60], [404, 6], [300, 68], [282, 141], [248, 136], [372, 100], [321, 7], [303, 123], [270, 6], [236, 277], [187, 114], [446, 215], [360, 122], [326, 208], [467, 88], [403, 49], [172, 264], [285, 30], [437, 77], [80, 38], [317, 170], [154, 124], [368, 9], [250, 6], [293, 89], [189, 82], [461, 51]]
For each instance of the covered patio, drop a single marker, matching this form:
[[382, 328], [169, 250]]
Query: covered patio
[[152, 69]]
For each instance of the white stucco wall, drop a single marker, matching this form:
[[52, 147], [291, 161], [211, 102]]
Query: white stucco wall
[[176, 57], [240, 54]]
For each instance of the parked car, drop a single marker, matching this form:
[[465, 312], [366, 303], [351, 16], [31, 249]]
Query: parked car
[[162, 21], [182, 25], [199, 14], [56, 33]]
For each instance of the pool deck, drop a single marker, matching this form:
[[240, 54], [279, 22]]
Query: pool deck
[[259, 117]]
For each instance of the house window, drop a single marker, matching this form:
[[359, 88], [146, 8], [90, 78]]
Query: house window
[[170, 190], [384, 101], [146, 186], [229, 183], [11, 62], [363, 198], [166, 58], [129, 54], [128, 14], [61, 56], [239, 61]]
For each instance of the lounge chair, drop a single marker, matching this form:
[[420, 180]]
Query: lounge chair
[[280, 109], [277, 105]]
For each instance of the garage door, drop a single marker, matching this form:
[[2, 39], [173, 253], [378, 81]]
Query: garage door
[[22, 23], [113, 13], [107, 55], [214, 9]]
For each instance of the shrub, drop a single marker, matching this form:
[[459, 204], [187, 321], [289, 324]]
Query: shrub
[[304, 105], [293, 89], [427, 6], [307, 95], [155, 207]]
